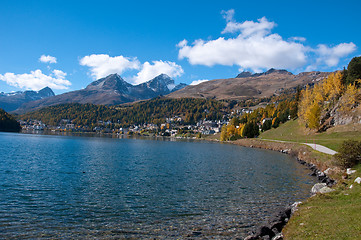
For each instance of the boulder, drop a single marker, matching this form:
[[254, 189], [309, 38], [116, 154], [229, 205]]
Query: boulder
[[327, 171], [349, 171], [278, 237], [251, 237], [326, 190], [294, 207], [264, 231], [358, 180], [317, 187]]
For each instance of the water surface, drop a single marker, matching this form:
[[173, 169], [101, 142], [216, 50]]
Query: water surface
[[86, 187]]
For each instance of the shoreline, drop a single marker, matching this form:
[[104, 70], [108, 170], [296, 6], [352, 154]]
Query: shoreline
[[303, 155]]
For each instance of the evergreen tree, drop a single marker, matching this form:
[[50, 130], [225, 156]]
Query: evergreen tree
[[266, 125], [353, 71], [251, 130]]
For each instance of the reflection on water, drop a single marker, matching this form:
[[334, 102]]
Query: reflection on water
[[80, 187]]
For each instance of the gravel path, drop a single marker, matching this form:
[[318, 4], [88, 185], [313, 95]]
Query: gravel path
[[321, 148], [316, 147]]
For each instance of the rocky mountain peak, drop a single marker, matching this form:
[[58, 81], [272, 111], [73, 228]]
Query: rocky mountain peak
[[161, 83], [269, 71], [244, 74], [280, 71], [111, 82], [46, 92], [11, 101], [162, 79]]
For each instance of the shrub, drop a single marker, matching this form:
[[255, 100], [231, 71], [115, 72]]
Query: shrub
[[349, 154]]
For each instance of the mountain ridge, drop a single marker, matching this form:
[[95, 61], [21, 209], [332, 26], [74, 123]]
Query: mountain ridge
[[248, 85], [12, 101], [110, 90]]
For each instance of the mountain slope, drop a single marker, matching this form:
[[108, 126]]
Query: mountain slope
[[11, 101], [110, 90], [247, 85]]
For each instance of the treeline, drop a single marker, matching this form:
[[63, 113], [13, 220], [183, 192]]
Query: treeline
[[153, 111], [8, 122], [338, 92], [249, 124]]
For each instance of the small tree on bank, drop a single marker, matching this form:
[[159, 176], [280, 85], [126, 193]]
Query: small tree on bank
[[349, 154]]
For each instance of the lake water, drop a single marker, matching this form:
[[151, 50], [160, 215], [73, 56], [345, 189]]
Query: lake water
[[103, 188]]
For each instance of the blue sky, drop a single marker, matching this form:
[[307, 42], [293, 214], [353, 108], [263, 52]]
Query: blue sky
[[83, 40]]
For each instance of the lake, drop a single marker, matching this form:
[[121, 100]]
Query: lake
[[106, 188]]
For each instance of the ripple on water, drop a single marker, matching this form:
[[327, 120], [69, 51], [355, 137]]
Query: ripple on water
[[79, 187]]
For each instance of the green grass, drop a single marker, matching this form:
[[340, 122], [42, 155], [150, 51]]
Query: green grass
[[294, 132], [336, 215]]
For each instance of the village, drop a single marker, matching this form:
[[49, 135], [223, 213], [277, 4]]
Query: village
[[173, 127]]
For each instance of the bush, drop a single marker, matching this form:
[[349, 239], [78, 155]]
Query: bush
[[349, 154]]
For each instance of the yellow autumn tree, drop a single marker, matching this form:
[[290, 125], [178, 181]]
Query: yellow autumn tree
[[241, 130], [319, 99], [231, 130], [349, 98], [313, 116], [224, 136], [318, 94], [332, 87], [306, 101]]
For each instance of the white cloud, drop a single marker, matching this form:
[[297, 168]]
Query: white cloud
[[47, 59], [255, 47], [298, 39], [182, 43], [247, 28], [59, 74], [36, 80], [150, 71], [252, 52], [196, 82], [332, 55], [102, 65]]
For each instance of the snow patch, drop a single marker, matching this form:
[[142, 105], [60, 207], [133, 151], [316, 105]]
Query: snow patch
[[171, 86]]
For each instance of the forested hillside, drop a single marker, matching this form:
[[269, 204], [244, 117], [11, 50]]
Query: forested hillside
[[152, 111], [334, 101], [8, 123], [281, 109]]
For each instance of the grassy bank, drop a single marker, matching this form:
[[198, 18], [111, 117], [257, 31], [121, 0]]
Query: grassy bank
[[332, 138], [336, 215]]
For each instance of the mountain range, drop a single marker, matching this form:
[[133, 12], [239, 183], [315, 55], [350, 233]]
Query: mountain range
[[12, 101], [113, 90], [110, 90], [247, 85]]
